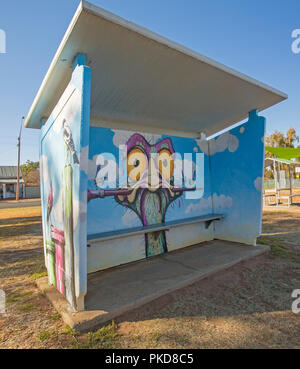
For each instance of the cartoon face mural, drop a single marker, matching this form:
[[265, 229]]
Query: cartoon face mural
[[150, 170]]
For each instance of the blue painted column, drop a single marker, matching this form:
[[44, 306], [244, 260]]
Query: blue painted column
[[261, 123], [81, 78], [237, 172]]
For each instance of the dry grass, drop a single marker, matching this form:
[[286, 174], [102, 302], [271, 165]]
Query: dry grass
[[246, 307], [21, 260]]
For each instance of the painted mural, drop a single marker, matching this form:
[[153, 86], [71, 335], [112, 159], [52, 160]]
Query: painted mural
[[151, 189], [157, 190], [59, 241], [62, 161], [231, 185]]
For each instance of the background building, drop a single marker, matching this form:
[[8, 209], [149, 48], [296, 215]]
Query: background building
[[8, 182]]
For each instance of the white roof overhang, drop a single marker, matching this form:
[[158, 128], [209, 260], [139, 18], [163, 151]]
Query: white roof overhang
[[142, 80]]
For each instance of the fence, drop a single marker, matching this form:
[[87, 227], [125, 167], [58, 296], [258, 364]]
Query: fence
[[32, 192], [282, 183]]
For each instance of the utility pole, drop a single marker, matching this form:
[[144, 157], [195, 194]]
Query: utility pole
[[19, 154]]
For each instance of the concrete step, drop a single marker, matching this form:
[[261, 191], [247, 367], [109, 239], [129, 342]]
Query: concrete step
[[116, 291]]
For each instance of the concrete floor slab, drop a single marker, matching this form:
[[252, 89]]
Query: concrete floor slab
[[118, 290]]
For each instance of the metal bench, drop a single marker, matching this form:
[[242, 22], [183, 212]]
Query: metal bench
[[206, 219], [268, 195], [289, 199]]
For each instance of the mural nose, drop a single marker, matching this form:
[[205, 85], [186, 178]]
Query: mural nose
[[153, 175]]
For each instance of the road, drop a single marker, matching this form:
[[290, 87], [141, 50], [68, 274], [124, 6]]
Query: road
[[6, 204]]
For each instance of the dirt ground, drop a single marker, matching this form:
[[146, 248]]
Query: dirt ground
[[249, 306]]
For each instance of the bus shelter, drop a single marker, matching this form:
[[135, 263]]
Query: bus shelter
[[136, 155]]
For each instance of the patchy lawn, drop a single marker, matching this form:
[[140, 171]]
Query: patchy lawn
[[246, 307], [29, 314]]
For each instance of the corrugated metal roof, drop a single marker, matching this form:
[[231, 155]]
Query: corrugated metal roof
[[9, 172], [10, 181], [269, 161]]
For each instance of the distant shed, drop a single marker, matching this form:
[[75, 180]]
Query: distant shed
[[8, 182]]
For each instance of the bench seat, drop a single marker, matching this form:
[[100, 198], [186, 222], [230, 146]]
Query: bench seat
[[289, 198], [207, 219]]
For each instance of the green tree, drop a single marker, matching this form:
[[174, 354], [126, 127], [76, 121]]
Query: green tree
[[279, 139], [30, 172], [291, 138], [276, 139], [29, 166]]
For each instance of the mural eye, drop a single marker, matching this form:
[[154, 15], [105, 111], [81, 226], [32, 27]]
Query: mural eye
[[165, 163], [136, 164]]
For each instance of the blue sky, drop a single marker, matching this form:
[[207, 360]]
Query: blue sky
[[253, 37]]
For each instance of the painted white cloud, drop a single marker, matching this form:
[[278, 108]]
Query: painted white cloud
[[202, 205], [68, 112], [92, 168], [258, 184], [223, 142], [44, 169], [222, 202], [57, 213], [121, 137], [130, 219], [219, 202], [84, 158], [79, 213]]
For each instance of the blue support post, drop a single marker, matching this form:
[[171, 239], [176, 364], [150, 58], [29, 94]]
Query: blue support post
[[80, 59], [81, 78]]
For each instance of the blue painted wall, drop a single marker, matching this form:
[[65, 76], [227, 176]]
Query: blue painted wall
[[237, 177], [233, 172]]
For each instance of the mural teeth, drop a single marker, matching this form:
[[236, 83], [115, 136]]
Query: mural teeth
[[131, 197]]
